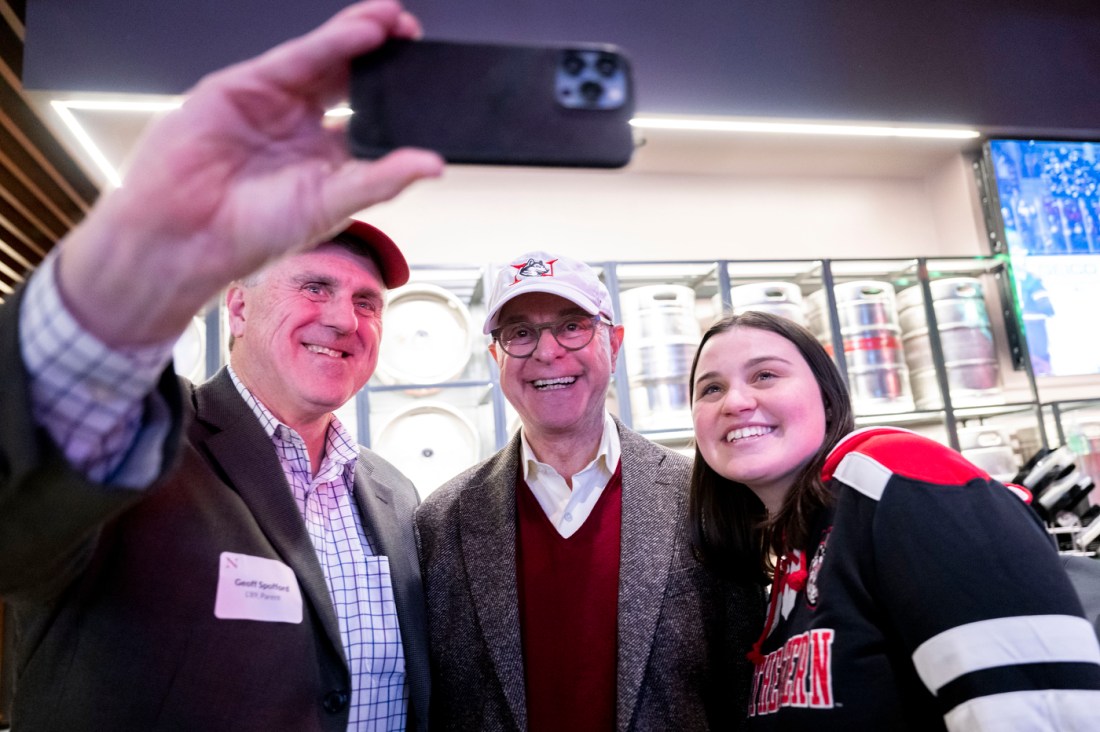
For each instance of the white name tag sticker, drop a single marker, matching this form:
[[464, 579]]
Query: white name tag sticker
[[254, 588]]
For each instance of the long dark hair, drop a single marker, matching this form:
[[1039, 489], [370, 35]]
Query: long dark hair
[[730, 527]]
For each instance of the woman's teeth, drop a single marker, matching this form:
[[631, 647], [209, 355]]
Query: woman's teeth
[[743, 432]]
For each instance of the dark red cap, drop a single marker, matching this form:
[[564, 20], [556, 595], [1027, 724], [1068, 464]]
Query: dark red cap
[[380, 248]]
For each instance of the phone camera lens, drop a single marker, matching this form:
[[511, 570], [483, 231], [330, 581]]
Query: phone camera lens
[[607, 65], [591, 91], [573, 64]]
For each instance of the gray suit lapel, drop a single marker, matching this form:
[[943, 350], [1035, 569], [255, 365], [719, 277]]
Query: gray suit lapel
[[487, 527], [649, 529], [383, 527], [373, 500], [246, 455], [387, 521]]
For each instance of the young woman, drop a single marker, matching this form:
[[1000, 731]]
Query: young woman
[[909, 589]]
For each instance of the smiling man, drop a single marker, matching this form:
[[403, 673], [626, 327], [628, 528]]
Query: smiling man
[[562, 590], [274, 564], [216, 556]]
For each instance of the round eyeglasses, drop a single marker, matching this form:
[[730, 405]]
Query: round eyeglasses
[[572, 333]]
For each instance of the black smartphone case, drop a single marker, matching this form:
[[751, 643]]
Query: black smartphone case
[[483, 104]]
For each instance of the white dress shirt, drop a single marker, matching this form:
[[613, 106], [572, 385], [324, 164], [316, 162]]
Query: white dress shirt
[[568, 509]]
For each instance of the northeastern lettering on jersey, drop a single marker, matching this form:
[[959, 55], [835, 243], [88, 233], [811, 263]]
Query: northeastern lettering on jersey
[[800, 674]]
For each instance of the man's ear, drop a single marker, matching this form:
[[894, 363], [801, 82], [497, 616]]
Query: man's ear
[[616, 338], [235, 307]]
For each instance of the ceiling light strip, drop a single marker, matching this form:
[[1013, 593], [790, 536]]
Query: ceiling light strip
[[64, 107], [118, 105], [86, 141], [701, 124]]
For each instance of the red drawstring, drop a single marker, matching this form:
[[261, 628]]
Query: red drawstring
[[796, 580]]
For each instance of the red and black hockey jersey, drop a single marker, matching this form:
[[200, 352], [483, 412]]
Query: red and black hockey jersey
[[932, 598]]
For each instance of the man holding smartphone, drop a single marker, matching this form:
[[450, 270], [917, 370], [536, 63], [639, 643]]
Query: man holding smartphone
[[562, 589], [220, 556]]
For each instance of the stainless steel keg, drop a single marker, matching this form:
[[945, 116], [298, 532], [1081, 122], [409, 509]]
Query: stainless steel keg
[[878, 376], [969, 353], [778, 298], [662, 334]]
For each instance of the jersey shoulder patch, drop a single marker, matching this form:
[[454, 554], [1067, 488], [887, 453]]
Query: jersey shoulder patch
[[867, 459]]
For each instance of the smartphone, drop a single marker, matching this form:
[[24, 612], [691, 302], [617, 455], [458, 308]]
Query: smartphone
[[494, 104]]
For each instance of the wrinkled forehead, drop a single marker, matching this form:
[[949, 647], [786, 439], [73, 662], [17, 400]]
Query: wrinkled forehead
[[332, 260], [538, 307]]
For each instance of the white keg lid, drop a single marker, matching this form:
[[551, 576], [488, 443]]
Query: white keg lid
[[430, 443], [427, 336]]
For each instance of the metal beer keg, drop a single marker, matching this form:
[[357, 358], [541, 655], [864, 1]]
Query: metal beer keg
[[427, 336], [969, 354], [430, 442], [661, 337], [778, 298], [878, 377], [990, 449]]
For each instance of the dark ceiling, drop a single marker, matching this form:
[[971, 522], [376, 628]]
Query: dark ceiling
[[1020, 64], [1022, 67]]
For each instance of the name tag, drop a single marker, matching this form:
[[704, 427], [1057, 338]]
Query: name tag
[[254, 588]]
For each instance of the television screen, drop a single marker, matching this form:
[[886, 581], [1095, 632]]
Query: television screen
[[1048, 197]]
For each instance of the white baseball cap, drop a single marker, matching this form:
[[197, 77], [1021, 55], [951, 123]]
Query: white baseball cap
[[556, 275]]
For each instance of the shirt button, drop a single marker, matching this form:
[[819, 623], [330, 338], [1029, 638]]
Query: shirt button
[[568, 517], [336, 701]]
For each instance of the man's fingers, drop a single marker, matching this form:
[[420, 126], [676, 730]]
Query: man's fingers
[[359, 184], [300, 63], [407, 26]]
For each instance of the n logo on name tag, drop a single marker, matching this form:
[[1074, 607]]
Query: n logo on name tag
[[254, 588]]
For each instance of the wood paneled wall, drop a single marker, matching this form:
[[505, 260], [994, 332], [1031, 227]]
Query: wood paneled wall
[[43, 191]]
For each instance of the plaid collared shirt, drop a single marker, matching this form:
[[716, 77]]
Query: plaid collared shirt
[[358, 580]]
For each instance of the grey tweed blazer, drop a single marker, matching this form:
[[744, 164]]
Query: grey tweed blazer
[[683, 633]]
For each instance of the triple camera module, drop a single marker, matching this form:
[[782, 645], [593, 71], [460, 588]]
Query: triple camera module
[[591, 80]]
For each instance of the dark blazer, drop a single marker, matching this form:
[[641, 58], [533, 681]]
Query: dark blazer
[[683, 633], [113, 590]]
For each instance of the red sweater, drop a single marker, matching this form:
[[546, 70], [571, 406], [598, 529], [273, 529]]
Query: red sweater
[[568, 607]]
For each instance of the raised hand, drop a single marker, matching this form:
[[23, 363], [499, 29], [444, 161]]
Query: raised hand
[[243, 172]]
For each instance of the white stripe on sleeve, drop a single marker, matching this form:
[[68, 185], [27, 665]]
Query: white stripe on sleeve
[[1043, 710], [865, 474], [1004, 642]]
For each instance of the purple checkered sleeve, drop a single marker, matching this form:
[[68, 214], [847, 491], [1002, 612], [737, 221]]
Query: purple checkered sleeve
[[93, 400]]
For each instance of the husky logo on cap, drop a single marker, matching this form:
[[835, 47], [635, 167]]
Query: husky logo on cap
[[534, 268]]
